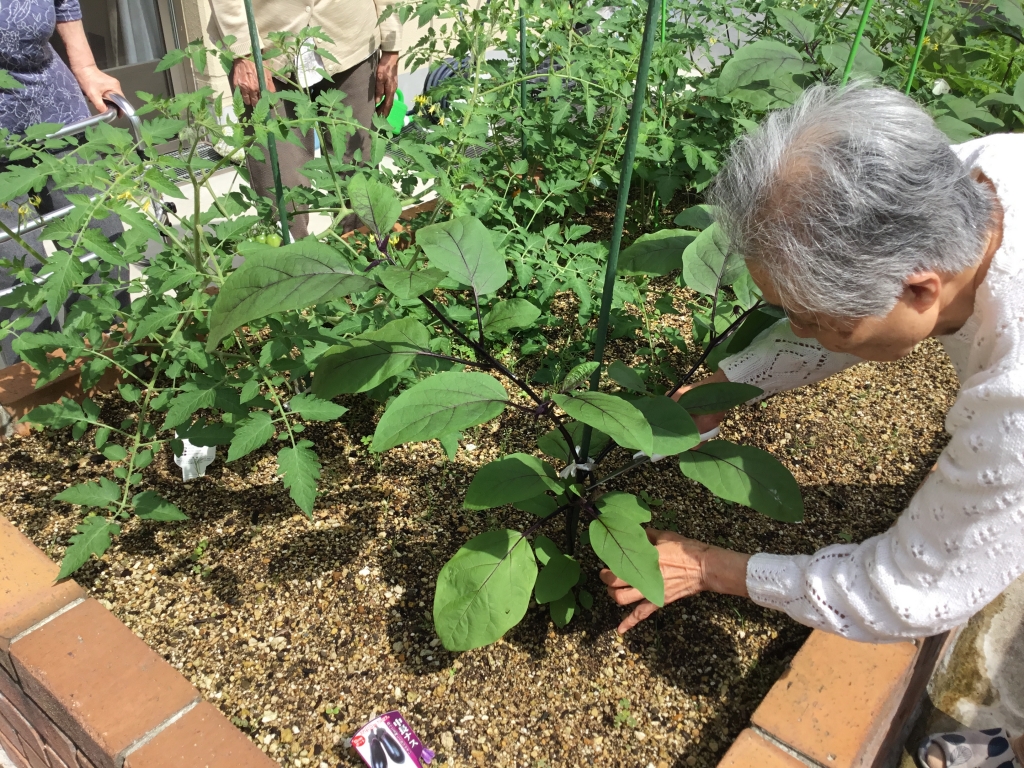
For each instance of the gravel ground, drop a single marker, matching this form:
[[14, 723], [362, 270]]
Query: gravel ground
[[301, 630]]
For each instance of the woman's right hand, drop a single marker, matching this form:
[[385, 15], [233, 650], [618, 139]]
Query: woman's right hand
[[707, 421], [244, 78]]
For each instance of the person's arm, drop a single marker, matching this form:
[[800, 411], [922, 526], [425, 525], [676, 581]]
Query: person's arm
[[93, 82], [387, 67], [231, 20]]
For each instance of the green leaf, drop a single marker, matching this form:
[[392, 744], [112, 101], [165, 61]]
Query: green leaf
[[446, 402], [450, 443], [203, 434], [1018, 92], [187, 403], [91, 494], [407, 284], [626, 377], [92, 538], [717, 397], [612, 415], [316, 409], [586, 600], [541, 506], [558, 576], [513, 313], [512, 478], [698, 217], [8, 83], [1011, 9], [756, 323], [761, 60], [578, 376], [251, 434], [545, 549], [364, 361], [283, 279], [464, 249], [866, 62], [484, 590], [114, 452], [956, 130], [802, 29], [375, 202], [553, 443], [705, 263], [149, 505], [620, 540], [745, 475], [673, 428], [655, 254], [563, 609], [299, 468], [65, 273], [63, 413]]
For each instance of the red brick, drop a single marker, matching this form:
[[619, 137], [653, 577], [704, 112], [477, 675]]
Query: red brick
[[47, 729], [203, 737], [101, 684], [835, 702], [55, 759], [27, 592], [14, 752], [35, 759], [752, 751], [22, 726]]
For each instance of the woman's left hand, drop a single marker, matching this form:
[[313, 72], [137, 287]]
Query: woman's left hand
[[94, 83], [688, 567]]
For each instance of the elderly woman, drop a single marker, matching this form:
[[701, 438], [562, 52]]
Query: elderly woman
[[857, 217]]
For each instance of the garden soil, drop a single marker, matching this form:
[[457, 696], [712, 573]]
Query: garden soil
[[301, 629]]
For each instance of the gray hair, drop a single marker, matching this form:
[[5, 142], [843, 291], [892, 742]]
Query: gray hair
[[844, 195]]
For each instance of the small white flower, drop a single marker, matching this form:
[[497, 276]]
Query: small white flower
[[571, 469], [940, 87]]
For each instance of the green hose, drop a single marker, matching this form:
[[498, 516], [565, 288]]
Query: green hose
[[856, 41], [275, 167], [920, 45]]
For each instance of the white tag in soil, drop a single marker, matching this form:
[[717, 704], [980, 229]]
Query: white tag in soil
[[194, 460]]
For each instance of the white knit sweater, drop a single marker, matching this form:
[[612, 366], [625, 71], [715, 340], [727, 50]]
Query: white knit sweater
[[961, 540]]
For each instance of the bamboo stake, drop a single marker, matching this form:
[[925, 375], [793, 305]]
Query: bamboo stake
[[920, 45], [856, 41]]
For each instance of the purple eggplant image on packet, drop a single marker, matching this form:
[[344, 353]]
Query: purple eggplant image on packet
[[389, 741]]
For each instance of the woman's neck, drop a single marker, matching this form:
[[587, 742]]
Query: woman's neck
[[963, 287]]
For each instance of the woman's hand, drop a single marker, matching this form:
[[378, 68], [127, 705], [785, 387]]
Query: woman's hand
[[707, 421], [245, 78], [688, 567], [386, 82], [94, 83]]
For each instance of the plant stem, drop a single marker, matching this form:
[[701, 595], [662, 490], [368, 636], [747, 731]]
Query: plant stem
[[715, 341]]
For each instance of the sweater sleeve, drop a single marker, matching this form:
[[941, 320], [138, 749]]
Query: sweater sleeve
[[67, 10], [778, 360], [952, 551], [390, 28]]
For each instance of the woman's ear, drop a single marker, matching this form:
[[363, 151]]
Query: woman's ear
[[921, 292]]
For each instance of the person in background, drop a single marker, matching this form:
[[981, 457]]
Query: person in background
[[857, 217], [51, 92], [366, 71]]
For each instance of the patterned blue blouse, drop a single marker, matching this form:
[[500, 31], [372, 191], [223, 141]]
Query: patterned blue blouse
[[51, 93]]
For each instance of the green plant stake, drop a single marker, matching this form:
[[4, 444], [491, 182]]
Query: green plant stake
[[275, 167], [522, 71], [626, 174], [856, 41], [920, 46]]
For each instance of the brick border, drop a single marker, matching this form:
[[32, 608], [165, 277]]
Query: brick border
[[840, 704], [78, 689]]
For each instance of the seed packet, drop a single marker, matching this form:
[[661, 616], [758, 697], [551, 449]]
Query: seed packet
[[388, 741]]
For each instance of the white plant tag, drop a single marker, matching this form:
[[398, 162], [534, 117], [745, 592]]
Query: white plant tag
[[307, 63], [194, 460]]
